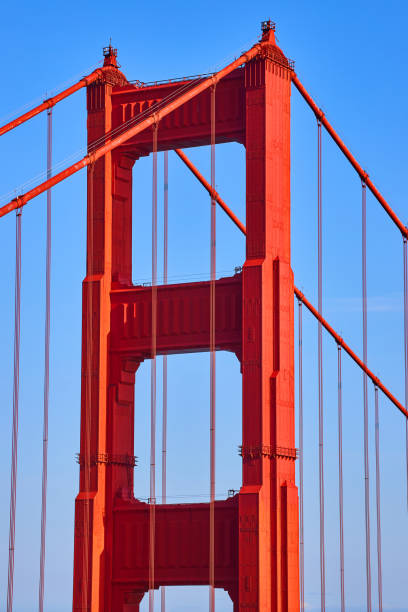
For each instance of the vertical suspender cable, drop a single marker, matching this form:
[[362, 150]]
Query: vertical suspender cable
[[14, 444], [378, 499], [406, 349], [341, 514], [320, 366], [212, 360], [164, 426], [366, 457], [152, 512], [46, 367], [88, 413], [301, 529]]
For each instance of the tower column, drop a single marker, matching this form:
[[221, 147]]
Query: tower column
[[268, 506], [103, 228]]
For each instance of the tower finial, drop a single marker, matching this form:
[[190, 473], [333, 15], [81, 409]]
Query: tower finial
[[268, 25], [268, 28], [110, 54]]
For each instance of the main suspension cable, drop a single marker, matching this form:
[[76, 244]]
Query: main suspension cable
[[301, 522], [164, 426], [378, 499], [51, 101], [341, 512], [16, 387], [46, 368], [101, 140], [152, 508], [366, 450], [320, 366], [212, 361], [362, 174]]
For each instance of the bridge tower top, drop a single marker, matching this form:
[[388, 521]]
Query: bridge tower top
[[110, 56], [268, 28]]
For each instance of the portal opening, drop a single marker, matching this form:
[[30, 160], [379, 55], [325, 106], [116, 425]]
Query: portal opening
[[189, 214], [188, 422]]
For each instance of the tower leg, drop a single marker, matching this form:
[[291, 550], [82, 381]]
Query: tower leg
[[103, 471], [268, 504], [233, 593]]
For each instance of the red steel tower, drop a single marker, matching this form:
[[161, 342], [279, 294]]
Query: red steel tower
[[256, 531]]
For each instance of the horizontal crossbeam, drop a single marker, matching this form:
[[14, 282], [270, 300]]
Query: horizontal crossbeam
[[181, 543], [183, 318]]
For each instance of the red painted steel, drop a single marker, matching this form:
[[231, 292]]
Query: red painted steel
[[131, 102], [180, 560], [256, 532], [362, 174], [183, 315]]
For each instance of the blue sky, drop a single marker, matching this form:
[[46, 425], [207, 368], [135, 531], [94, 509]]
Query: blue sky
[[350, 56]]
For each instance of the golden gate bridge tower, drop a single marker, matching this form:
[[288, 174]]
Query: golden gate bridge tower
[[256, 531]]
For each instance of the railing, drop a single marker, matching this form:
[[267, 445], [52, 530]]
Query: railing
[[192, 77]]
